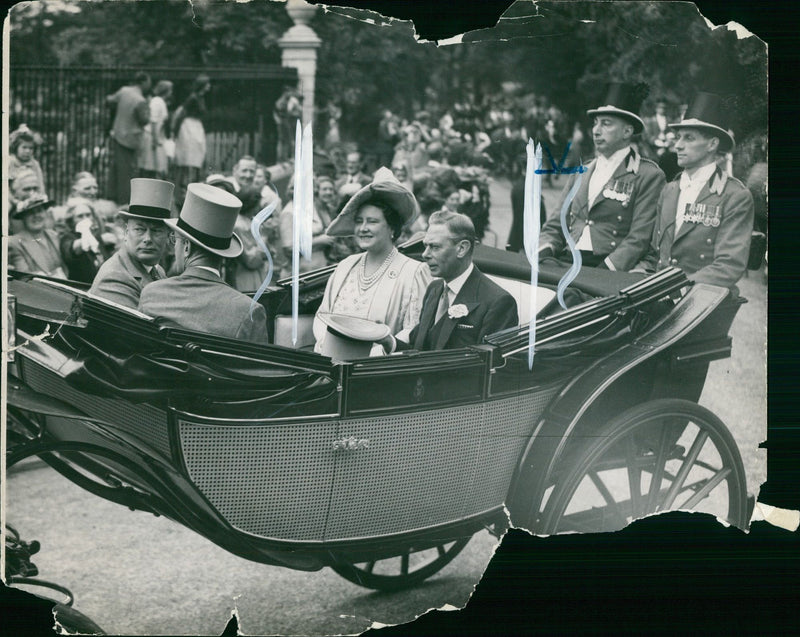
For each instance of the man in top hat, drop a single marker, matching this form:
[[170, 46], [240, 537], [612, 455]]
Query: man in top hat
[[145, 240], [611, 217], [198, 298], [461, 305], [705, 217], [35, 248]]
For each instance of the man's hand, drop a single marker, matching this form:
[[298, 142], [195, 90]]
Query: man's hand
[[546, 253], [388, 343]]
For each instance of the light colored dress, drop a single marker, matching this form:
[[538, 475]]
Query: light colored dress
[[153, 155], [395, 298]]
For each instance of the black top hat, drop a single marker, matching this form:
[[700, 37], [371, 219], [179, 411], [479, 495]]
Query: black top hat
[[37, 201], [624, 100], [707, 112]]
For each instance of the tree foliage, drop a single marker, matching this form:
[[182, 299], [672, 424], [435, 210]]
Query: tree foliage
[[565, 51]]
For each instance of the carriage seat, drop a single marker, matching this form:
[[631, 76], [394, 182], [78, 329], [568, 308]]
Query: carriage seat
[[521, 291]]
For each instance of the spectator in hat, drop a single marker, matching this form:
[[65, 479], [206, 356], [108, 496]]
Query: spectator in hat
[[378, 283], [35, 247], [611, 216], [145, 241], [85, 244], [704, 217], [198, 298], [131, 116], [23, 186]]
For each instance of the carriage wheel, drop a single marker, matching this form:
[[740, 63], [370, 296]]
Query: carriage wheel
[[664, 455], [404, 570]]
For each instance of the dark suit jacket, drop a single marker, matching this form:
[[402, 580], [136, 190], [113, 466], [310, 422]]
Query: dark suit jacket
[[200, 300], [706, 253], [121, 279], [490, 309], [620, 230]]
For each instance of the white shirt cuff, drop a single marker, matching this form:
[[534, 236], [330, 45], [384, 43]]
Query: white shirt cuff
[[608, 263]]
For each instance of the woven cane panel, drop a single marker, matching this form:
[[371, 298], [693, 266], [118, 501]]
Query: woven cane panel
[[509, 424], [430, 467], [146, 422], [268, 480], [415, 473]]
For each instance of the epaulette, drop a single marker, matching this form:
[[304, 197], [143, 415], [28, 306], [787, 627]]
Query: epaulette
[[634, 159]]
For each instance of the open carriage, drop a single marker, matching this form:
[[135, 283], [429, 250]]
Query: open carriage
[[383, 468]]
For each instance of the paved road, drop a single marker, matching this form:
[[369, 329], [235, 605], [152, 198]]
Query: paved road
[[133, 573]]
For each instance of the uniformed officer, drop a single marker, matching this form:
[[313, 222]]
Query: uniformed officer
[[611, 217], [705, 217]]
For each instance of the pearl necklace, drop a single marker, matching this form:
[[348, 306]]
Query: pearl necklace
[[365, 282]]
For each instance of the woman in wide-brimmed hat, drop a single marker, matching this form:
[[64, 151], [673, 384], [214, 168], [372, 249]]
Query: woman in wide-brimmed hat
[[379, 284], [35, 247]]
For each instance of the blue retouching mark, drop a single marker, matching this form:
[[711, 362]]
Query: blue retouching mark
[[558, 168], [255, 229], [569, 277]]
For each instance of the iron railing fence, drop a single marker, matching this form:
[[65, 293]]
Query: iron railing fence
[[67, 107]]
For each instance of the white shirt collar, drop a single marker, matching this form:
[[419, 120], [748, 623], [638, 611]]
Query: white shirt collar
[[210, 269], [615, 159], [700, 177], [454, 286]]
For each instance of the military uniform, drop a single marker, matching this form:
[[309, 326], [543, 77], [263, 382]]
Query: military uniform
[[620, 219], [713, 242]]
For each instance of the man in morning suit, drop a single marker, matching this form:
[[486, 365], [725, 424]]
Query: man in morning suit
[[705, 217], [198, 298], [145, 241], [463, 305], [611, 217]]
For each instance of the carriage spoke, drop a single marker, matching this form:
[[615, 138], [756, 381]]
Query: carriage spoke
[[370, 567], [404, 564], [634, 477], [658, 471], [680, 478], [441, 550], [709, 486], [613, 505]]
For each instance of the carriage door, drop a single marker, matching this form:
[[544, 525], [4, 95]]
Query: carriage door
[[405, 451]]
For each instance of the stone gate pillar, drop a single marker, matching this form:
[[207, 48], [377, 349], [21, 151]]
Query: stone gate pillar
[[299, 50]]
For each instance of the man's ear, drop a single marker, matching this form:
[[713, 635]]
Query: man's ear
[[187, 247], [463, 248]]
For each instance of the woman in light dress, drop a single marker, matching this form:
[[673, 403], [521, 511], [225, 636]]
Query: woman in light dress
[[153, 155], [379, 283]]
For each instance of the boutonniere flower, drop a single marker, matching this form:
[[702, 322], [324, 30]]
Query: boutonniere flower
[[457, 311]]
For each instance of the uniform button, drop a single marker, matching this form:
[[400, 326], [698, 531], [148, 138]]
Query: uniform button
[[673, 262], [591, 223], [613, 243], [619, 217], [702, 257], [659, 262], [708, 241], [614, 232]]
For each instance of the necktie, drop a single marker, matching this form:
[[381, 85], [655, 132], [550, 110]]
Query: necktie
[[154, 273], [444, 303]]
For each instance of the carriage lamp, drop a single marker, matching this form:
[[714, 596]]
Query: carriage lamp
[[11, 327]]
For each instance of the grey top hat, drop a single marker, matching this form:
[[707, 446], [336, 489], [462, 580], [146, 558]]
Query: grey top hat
[[150, 199], [384, 188], [207, 219]]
